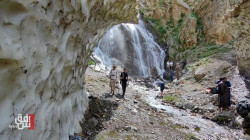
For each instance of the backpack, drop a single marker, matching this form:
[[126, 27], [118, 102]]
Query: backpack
[[214, 90]]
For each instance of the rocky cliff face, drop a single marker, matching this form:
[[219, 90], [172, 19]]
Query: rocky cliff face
[[44, 48], [184, 24], [238, 20]]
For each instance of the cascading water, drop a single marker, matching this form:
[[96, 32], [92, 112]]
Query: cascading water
[[133, 47]]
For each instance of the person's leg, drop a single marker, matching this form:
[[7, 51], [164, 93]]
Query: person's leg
[[161, 88], [229, 99], [110, 85], [177, 75], [123, 88], [113, 87]]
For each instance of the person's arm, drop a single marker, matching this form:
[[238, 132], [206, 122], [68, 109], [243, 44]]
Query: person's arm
[[229, 86]]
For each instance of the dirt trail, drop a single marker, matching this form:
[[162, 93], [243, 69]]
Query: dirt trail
[[133, 118]]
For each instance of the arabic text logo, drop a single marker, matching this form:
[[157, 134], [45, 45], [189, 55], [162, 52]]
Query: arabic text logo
[[24, 122]]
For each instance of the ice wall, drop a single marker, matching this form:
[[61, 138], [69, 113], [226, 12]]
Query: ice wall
[[44, 50]]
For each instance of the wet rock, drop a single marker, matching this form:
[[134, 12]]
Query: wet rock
[[135, 101], [195, 109], [224, 117], [93, 122], [188, 105], [179, 105], [246, 125], [238, 121], [134, 128], [243, 109], [205, 101], [127, 128]]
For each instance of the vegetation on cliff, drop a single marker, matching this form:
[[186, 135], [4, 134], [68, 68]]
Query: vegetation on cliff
[[171, 35]]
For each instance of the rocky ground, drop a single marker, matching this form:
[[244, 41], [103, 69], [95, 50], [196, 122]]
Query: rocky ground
[[184, 113], [134, 118]]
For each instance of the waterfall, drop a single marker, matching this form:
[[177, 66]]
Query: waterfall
[[131, 46]]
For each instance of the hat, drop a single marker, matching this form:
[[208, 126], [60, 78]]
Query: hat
[[114, 66]]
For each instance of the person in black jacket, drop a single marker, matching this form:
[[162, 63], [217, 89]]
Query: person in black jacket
[[124, 80]]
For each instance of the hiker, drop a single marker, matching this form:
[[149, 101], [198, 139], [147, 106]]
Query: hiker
[[228, 90], [162, 87], [223, 93], [178, 70], [123, 81], [184, 63], [113, 78]]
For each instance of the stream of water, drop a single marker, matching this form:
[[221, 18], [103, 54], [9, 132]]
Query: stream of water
[[208, 130]]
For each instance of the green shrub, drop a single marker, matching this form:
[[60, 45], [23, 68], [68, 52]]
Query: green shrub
[[191, 137], [141, 12], [91, 62], [168, 98]]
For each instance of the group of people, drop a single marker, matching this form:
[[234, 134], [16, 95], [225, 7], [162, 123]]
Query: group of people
[[224, 91], [170, 69], [223, 85], [113, 75]]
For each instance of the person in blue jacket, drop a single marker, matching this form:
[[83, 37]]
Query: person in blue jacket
[[162, 87], [229, 90]]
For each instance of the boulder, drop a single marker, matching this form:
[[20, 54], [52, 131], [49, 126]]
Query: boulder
[[243, 109], [199, 75], [224, 117], [188, 105], [246, 125]]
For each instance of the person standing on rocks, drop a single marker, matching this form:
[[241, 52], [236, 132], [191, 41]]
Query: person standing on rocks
[[123, 81], [228, 89], [223, 93], [113, 78], [178, 70], [184, 63], [162, 87]]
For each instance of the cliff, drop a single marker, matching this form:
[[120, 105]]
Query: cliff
[[187, 25], [44, 50]]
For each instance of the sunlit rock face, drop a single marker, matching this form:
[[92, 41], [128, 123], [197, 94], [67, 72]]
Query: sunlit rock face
[[238, 19], [228, 20], [44, 48]]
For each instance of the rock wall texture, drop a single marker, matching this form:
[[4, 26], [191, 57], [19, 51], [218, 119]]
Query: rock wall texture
[[222, 21], [44, 50], [228, 20], [238, 20]]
